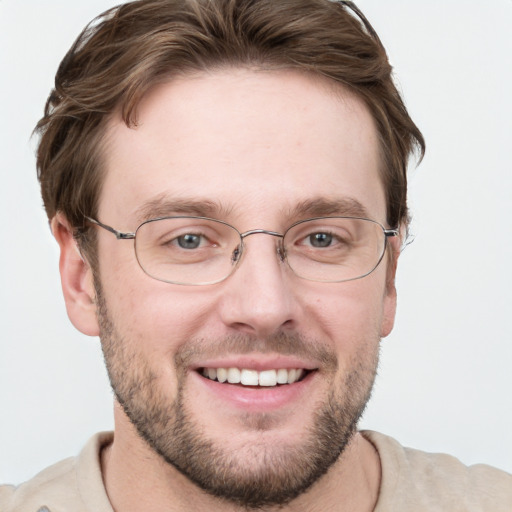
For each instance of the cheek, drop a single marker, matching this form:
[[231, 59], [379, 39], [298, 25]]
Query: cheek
[[349, 314], [156, 316]]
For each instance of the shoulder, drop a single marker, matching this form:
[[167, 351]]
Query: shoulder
[[420, 481], [72, 484], [55, 482]]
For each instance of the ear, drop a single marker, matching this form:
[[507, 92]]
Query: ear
[[389, 304], [76, 278]]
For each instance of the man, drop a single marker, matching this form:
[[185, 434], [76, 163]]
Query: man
[[254, 155]]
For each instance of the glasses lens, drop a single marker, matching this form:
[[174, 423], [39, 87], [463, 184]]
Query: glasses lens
[[187, 250], [334, 249]]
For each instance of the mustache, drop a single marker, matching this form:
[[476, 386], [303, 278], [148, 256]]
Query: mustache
[[243, 344]]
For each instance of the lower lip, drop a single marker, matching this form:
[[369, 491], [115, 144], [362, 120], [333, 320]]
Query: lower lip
[[257, 399]]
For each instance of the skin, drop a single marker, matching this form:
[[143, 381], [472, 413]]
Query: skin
[[259, 144]]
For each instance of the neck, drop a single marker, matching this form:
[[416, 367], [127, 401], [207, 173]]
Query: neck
[[137, 479]]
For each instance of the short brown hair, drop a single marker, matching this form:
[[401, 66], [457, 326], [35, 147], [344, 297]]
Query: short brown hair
[[130, 48]]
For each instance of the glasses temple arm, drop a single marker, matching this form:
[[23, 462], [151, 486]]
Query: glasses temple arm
[[119, 234]]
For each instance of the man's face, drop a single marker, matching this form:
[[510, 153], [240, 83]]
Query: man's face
[[258, 150]]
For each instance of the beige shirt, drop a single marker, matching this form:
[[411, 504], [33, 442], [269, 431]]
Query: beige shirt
[[412, 481]]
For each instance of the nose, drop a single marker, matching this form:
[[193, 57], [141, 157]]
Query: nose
[[259, 298]]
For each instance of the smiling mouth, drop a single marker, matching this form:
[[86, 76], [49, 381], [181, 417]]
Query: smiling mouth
[[247, 377]]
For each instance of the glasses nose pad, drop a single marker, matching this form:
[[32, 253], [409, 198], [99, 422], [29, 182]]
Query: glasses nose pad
[[236, 254], [281, 251]]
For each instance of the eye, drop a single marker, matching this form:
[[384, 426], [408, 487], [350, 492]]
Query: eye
[[320, 239], [189, 241]]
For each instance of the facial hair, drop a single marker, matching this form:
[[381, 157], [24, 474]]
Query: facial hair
[[276, 474]]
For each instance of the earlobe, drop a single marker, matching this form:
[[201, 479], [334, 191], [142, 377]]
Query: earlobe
[[76, 278]]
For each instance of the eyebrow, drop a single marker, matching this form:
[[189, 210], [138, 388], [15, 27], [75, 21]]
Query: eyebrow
[[164, 206], [323, 207]]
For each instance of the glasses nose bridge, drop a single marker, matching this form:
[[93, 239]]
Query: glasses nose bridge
[[261, 231], [280, 249]]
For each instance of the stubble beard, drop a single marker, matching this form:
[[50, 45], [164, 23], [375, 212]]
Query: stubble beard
[[256, 476]]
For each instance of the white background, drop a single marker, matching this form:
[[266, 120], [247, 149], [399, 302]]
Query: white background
[[446, 373]]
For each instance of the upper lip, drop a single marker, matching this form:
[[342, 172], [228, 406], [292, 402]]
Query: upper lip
[[258, 362]]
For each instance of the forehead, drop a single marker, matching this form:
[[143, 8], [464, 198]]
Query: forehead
[[245, 144]]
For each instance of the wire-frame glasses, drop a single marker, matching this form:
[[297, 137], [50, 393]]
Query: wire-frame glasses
[[189, 250]]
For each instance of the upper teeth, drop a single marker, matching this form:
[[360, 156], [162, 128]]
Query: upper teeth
[[253, 377]]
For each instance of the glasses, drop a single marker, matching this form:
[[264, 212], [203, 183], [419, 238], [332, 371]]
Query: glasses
[[201, 251]]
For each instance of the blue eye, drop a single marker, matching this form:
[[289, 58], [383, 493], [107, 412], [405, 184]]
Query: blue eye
[[320, 239], [189, 241]]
